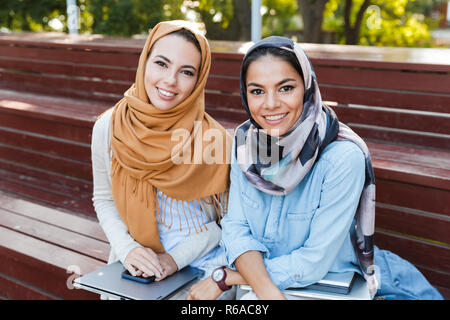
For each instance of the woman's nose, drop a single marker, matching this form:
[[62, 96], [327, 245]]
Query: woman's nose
[[171, 78], [271, 101]]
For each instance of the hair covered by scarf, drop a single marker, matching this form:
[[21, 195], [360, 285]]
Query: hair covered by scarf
[[142, 148], [292, 155]]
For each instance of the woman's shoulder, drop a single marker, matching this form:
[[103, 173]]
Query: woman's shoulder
[[343, 152], [102, 124]]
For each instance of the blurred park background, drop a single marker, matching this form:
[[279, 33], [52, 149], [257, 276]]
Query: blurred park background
[[399, 23]]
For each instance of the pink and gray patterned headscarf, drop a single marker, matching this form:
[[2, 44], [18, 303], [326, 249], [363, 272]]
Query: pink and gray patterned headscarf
[[275, 165]]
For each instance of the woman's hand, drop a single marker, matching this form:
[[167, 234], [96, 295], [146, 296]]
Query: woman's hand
[[206, 289], [168, 264], [143, 261]]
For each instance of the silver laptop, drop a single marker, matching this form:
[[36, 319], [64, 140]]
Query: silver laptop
[[108, 281]]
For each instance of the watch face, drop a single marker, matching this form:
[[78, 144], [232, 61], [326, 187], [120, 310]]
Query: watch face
[[218, 274]]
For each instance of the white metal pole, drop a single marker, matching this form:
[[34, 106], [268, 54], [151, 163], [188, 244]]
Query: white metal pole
[[73, 13], [256, 20]]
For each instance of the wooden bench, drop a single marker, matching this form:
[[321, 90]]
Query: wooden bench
[[42, 250], [397, 99]]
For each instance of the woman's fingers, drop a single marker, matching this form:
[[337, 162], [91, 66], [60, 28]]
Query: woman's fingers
[[143, 260]]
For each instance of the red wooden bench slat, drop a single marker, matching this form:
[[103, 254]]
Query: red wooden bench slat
[[127, 60], [412, 223], [54, 235], [24, 172], [14, 289], [78, 169], [418, 252], [46, 127], [383, 98], [412, 138], [411, 174], [35, 262], [437, 82], [63, 84], [88, 227], [47, 197], [426, 122], [413, 196], [74, 70], [410, 155], [69, 191], [42, 144], [223, 84]]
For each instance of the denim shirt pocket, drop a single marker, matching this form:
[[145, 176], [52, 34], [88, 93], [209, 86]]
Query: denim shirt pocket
[[303, 215], [298, 227], [248, 201]]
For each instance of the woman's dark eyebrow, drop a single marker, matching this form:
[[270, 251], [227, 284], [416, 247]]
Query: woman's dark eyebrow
[[278, 84], [164, 58], [168, 61], [285, 80]]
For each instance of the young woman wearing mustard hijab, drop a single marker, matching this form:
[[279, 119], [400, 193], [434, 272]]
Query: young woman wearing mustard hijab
[[159, 214]]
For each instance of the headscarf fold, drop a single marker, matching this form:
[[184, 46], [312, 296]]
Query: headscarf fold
[[275, 165], [143, 145]]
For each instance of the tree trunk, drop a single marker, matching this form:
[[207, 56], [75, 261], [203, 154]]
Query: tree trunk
[[241, 26], [312, 15], [352, 32]]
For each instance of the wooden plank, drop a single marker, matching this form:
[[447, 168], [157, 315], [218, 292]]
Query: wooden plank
[[411, 155], [88, 227], [418, 252], [223, 84], [423, 122], [28, 122], [27, 173], [392, 136], [64, 83], [412, 223], [15, 289], [42, 264], [413, 196], [69, 69], [46, 197], [55, 235], [74, 55], [411, 174], [78, 169], [41, 143], [225, 67], [222, 100], [385, 98], [368, 77], [68, 191], [69, 110]]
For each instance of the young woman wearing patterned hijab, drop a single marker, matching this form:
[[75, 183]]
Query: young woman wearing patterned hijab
[[160, 214], [302, 194]]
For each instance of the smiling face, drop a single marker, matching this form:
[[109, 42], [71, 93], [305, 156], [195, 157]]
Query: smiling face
[[274, 94], [171, 71]]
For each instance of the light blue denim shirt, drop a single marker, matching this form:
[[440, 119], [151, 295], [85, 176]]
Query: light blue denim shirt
[[306, 233]]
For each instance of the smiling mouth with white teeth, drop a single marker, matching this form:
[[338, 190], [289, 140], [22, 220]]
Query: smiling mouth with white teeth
[[166, 93], [275, 117]]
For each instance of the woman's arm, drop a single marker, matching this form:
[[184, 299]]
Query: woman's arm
[[344, 178], [251, 267], [192, 248]]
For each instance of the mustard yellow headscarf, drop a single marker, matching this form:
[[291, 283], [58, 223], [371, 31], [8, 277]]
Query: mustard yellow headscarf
[[142, 149]]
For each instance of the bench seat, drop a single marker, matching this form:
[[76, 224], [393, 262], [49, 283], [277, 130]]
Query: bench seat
[[397, 99], [43, 250]]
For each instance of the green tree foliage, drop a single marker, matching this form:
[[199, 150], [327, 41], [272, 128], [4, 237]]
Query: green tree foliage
[[128, 17], [29, 15], [279, 16], [384, 23]]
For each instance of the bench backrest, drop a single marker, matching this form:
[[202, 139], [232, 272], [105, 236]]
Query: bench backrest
[[389, 94]]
